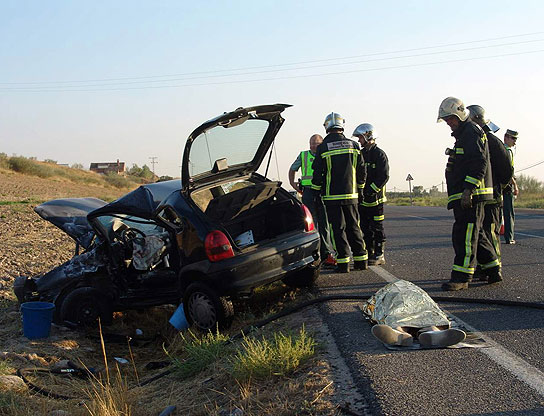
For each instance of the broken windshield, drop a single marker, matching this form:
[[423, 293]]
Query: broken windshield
[[237, 144]]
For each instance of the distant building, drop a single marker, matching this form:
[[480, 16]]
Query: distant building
[[107, 167]]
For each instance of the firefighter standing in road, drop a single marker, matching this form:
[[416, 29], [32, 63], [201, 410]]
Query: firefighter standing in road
[[339, 174], [468, 177], [312, 198], [511, 191], [501, 172], [371, 206]]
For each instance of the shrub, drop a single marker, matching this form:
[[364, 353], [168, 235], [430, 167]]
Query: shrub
[[278, 356], [118, 181], [200, 352]]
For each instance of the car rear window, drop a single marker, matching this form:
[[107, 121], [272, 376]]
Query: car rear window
[[238, 144]]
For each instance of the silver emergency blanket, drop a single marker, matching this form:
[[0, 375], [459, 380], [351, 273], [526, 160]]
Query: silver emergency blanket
[[147, 252], [402, 303]]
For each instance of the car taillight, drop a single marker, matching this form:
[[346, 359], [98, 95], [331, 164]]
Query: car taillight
[[308, 220], [217, 246]]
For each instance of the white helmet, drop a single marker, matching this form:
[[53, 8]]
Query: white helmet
[[334, 121], [452, 106], [476, 113], [366, 130]]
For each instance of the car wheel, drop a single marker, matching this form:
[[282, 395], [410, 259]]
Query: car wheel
[[84, 305], [205, 309], [304, 278]]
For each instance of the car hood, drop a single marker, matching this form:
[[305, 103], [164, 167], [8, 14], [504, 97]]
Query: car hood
[[70, 215], [231, 144]]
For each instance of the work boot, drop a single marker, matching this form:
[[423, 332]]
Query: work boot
[[453, 286], [360, 265], [391, 336], [443, 338], [379, 256], [342, 268], [480, 274], [494, 275]]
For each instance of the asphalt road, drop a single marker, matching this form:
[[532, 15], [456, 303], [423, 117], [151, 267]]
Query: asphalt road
[[506, 378]]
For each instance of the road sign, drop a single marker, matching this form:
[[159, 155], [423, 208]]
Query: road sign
[[409, 178]]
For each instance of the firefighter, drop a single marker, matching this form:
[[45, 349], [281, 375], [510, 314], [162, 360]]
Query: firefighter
[[312, 198], [339, 175], [468, 178], [371, 205], [501, 172]]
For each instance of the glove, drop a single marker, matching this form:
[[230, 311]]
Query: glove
[[466, 199]]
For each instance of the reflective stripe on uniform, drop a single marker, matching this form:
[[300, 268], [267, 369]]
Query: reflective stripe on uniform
[[491, 264], [483, 191], [459, 151], [454, 197], [468, 244], [374, 203], [472, 180], [339, 197], [360, 258], [468, 270], [373, 186], [379, 217], [342, 260]]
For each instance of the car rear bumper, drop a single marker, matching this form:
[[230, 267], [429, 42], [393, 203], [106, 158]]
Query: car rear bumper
[[260, 265]]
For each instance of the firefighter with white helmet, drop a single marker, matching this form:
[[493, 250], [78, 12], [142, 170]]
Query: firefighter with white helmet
[[339, 175], [371, 209], [468, 177], [501, 172]]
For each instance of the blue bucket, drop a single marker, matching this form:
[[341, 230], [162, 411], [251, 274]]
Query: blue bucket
[[37, 317], [178, 320]]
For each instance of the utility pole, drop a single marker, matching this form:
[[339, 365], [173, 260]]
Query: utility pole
[[153, 163], [442, 186]]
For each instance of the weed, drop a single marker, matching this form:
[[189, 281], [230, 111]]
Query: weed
[[278, 356], [5, 367], [8, 401], [108, 397], [200, 352]]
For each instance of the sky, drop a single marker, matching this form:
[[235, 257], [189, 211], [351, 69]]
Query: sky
[[98, 81]]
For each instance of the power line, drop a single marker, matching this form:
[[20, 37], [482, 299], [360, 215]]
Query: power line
[[529, 167], [276, 70], [283, 64], [276, 78]]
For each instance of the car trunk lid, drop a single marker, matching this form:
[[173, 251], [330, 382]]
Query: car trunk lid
[[230, 145]]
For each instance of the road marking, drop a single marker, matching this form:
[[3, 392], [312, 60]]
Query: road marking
[[520, 368], [529, 235]]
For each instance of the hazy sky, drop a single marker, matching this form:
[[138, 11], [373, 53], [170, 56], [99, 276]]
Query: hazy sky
[[94, 81]]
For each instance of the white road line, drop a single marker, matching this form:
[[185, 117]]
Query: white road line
[[529, 235], [415, 216], [520, 368]]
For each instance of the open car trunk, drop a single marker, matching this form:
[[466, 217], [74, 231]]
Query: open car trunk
[[252, 214]]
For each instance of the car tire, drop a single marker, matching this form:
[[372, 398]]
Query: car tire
[[303, 278], [205, 309], [84, 305]]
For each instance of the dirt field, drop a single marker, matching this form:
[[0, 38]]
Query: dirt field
[[30, 245]]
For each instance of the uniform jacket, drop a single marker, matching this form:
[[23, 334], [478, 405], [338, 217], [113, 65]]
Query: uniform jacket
[[468, 165], [339, 170], [377, 175], [501, 165]]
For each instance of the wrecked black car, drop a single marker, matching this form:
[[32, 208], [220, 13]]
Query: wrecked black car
[[214, 236]]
